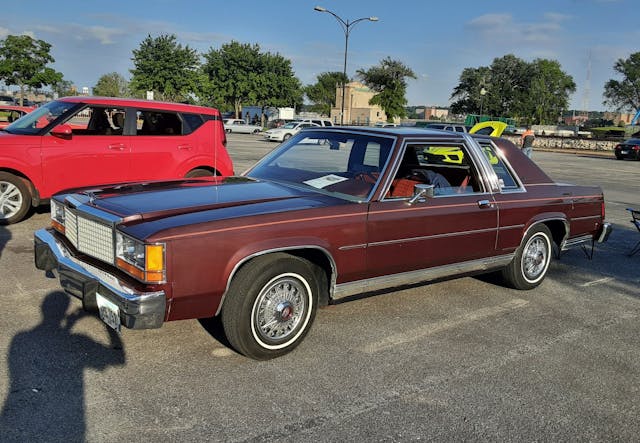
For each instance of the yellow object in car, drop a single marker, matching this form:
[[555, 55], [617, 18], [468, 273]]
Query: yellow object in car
[[443, 154], [490, 128]]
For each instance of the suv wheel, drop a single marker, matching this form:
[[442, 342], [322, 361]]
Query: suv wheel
[[15, 198]]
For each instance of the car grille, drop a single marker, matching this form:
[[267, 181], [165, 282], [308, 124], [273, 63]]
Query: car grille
[[89, 236]]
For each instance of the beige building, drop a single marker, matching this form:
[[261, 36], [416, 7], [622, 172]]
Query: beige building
[[357, 110]]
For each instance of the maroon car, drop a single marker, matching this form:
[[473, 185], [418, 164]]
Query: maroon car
[[331, 213]]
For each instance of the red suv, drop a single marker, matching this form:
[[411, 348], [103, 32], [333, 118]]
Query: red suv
[[86, 141]]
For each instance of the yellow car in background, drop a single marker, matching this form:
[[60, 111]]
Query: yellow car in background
[[454, 156], [490, 128]]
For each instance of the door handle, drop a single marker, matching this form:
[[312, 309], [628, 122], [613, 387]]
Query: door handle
[[117, 147], [185, 147], [485, 204]]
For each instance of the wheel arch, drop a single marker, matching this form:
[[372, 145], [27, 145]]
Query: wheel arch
[[35, 194], [313, 253], [211, 169], [556, 223]]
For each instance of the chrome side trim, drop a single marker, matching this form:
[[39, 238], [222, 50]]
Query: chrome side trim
[[506, 228], [590, 217], [423, 275], [570, 243], [427, 237], [350, 247], [332, 262]]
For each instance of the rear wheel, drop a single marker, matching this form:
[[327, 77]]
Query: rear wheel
[[15, 198], [270, 305], [199, 173], [530, 264]]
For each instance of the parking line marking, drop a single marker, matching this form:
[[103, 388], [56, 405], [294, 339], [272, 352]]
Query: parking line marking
[[422, 332], [596, 282]]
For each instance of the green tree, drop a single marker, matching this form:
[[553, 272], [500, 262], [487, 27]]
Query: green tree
[[536, 92], [240, 74], [23, 62], [469, 99], [549, 90], [624, 95], [165, 67], [64, 88], [322, 94], [388, 79], [111, 85]]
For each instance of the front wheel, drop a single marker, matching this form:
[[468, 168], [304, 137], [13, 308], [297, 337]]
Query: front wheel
[[286, 137], [15, 198], [270, 305], [531, 262]]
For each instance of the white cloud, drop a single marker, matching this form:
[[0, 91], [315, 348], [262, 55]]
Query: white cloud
[[102, 34], [504, 29], [3, 32]]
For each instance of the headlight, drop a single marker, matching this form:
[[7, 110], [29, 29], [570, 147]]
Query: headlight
[[144, 261], [57, 216]]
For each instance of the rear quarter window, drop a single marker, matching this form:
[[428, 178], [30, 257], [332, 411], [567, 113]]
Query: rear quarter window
[[191, 122]]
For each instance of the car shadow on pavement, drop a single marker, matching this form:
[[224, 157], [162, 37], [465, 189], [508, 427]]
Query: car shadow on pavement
[[46, 399], [5, 236], [213, 326]]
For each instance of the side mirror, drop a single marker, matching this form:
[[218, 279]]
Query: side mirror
[[422, 191], [63, 131]]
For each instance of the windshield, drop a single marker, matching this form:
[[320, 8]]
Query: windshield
[[345, 165], [34, 122]]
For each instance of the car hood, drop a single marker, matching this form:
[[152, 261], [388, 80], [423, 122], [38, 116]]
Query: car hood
[[146, 208]]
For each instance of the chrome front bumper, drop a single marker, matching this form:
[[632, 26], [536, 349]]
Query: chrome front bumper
[[138, 309]]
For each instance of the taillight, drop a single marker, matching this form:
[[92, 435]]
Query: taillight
[[635, 148], [602, 209], [617, 148]]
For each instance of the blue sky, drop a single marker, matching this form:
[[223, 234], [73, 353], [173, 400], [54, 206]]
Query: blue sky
[[437, 39]]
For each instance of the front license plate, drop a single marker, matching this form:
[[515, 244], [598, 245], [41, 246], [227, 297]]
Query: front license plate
[[109, 312]]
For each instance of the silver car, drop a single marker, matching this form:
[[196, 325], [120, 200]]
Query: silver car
[[240, 126]]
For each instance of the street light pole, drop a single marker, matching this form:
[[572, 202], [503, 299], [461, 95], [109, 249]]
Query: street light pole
[[483, 92], [346, 26]]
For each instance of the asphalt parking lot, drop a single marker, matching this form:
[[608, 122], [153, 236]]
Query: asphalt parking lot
[[455, 360]]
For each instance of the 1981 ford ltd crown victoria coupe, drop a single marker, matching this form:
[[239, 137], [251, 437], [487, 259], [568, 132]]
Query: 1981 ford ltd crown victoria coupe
[[332, 212]]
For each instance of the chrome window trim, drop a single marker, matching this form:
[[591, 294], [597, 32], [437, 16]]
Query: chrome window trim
[[462, 140], [487, 174], [512, 171], [349, 131]]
